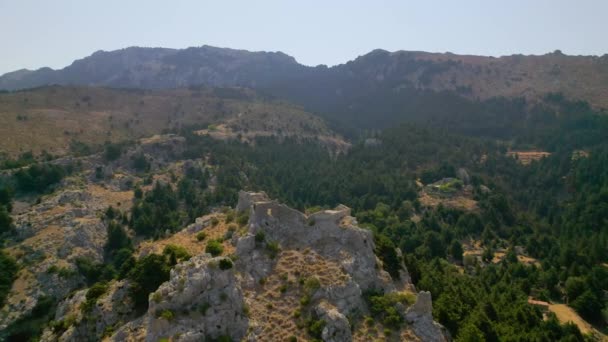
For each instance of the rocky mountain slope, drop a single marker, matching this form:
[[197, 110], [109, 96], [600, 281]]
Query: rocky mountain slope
[[55, 118], [475, 77], [136, 67], [320, 272], [280, 274]]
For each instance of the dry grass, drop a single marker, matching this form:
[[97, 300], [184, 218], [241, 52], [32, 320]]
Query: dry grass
[[273, 304], [189, 241], [527, 157], [370, 329], [118, 199], [456, 202], [527, 260], [48, 118], [46, 239], [566, 314], [18, 292]]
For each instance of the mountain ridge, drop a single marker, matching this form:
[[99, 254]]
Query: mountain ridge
[[470, 75]]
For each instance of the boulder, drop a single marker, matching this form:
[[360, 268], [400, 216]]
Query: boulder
[[337, 328]]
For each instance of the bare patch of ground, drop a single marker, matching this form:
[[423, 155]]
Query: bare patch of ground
[[566, 314], [188, 239], [456, 202], [527, 157]]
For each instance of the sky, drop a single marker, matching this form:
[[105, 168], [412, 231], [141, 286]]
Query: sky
[[40, 33]]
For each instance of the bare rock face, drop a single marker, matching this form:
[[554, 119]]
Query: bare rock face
[[422, 307], [215, 298], [51, 235], [337, 328], [200, 301], [113, 307], [420, 315], [329, 232]]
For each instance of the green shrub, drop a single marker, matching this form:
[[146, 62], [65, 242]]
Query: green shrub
[[385, 306], [272, 247], [214, 221], [242, 219], [315, 327], [175, 254], [93, 294], [157, 297], [225, 264], [311, 285], [214, 248], [112, 151], [260, 237], [200, 236], [203, 307], [38, 178], [385, 249], [167, 315], [146, 276]]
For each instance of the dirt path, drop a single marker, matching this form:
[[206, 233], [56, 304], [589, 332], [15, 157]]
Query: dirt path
[[566, 314]]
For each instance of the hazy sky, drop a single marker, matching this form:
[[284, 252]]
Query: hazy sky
[[54, 33]]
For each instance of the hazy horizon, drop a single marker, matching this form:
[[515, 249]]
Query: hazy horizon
[[313, 32]]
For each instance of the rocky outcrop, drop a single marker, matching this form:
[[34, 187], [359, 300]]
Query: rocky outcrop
[[325, 262], [112, 308], [420, 316], [202, 300], [49, 238], [331, 233], [337, 328]]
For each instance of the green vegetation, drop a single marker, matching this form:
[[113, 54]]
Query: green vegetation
[[156, 212], [146, 276], [554, 208], [6, 221], [8, 272], [384, 306], [163, 209], [39, 178], [225, 264], [30, 326], [175, 254], [112, 151], [167, 315], [93, 294], [24, 159], [200, 236], [214, 247], [242, 219], [140, 163], [314, 327], [273, 249]]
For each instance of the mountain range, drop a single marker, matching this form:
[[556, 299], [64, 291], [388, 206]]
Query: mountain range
[[473, 77]]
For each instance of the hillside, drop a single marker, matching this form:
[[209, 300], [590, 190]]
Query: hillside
[[55, 118], [200, 269], [474, 77], [155, 240]]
